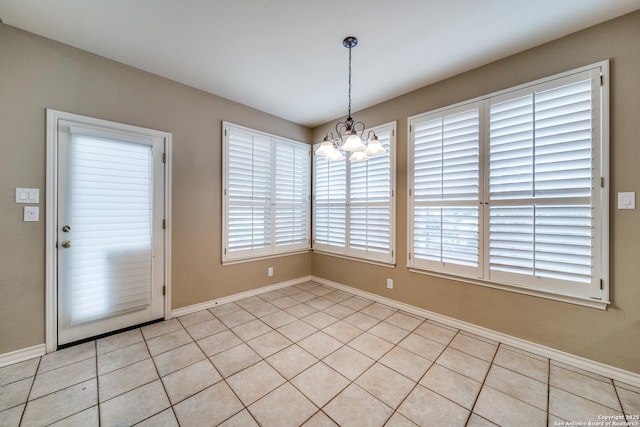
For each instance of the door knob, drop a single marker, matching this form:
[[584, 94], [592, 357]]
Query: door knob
[[66, 244], [66, 229]]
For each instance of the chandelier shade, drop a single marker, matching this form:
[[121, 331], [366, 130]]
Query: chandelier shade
[[350, 134]]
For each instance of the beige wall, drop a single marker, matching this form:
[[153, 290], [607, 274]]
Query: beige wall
[[35, 74], [612, 336]]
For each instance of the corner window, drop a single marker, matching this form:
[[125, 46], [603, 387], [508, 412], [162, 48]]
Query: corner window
[[266, 203]]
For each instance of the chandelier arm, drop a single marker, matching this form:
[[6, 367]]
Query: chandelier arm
[[362, 126], [340, 127]]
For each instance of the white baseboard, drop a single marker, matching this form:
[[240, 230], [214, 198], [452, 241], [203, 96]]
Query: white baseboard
[[22, 355], [212, 303], [608, 371]]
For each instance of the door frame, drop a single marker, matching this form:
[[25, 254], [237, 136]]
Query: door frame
[[51, 257]]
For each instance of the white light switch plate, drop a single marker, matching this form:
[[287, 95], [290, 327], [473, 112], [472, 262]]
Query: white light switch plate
[[27, 195], [626, 200], [31, 213]]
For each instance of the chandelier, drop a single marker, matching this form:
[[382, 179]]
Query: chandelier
[[349, 135]]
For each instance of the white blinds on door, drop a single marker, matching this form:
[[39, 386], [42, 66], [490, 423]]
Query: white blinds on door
[[110, 214]]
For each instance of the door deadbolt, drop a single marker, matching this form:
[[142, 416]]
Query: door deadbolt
[[66, 244], [66, 229]]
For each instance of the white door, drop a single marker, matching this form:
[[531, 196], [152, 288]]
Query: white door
[[110, 237]]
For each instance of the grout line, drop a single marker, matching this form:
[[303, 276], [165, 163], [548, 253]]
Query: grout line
[[35, 374], [482, 385], [369, 303], [99, 407], [548, 389]]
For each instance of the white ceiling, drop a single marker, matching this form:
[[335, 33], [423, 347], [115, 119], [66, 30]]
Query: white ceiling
[[286, 57]]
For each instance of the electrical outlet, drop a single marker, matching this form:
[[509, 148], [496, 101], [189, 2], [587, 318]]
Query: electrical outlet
[[270, 271], [389, 283]]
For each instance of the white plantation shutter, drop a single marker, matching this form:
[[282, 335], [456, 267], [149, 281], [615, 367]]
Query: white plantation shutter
[[248, 193], [370, 211], [445, 190], [539, 222], [541, 184], [266, 194], [354, 204], [292, 194], [330, 204]]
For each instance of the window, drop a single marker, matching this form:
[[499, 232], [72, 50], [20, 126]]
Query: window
[[508, 190], [265, 194], [354, 204]]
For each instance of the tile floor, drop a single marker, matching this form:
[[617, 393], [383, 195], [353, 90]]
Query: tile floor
[[303, 355]]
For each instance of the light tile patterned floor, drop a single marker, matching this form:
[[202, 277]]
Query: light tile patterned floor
[[303, 355]]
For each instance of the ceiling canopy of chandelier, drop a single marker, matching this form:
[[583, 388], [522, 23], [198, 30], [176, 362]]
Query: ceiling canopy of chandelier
[[350, 134]]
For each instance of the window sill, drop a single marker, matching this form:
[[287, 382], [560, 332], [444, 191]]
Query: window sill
[[258, 258], [585, 302], [354, 258]]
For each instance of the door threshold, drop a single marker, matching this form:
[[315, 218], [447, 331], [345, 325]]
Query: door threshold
[[108, 334]]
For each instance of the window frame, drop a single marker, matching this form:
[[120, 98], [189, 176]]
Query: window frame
[[347, 251], [273, 250], [599, 200]]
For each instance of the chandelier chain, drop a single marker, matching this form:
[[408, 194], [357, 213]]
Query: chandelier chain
[[349, 81]]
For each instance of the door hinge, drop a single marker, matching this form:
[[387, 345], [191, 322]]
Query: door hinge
[[410, 192], [601, 80], [391, 253], [602, 181], [164, 157], [164, 224], [409, 256], [601, 284], [164, 290]]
